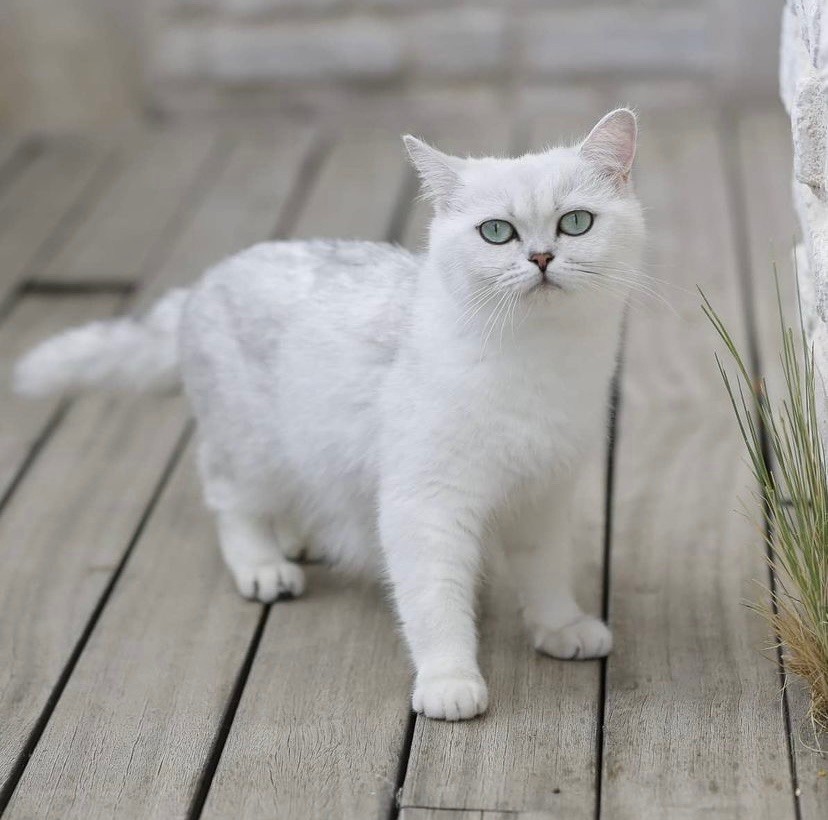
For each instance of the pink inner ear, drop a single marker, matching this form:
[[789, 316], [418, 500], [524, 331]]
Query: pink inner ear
[[611, 143]]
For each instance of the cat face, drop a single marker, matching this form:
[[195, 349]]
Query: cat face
[[558, 225]]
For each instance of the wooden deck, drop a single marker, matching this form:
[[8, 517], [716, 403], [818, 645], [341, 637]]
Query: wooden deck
[[134, 682]]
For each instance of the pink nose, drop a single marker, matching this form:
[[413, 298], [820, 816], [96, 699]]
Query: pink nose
[[542, 260]]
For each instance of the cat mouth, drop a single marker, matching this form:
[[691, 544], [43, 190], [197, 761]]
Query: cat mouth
[[548, 285]]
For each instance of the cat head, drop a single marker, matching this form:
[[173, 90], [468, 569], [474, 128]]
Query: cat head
[[546, 227]]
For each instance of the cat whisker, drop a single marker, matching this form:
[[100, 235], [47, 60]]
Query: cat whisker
[[491, 323], [629, 281]]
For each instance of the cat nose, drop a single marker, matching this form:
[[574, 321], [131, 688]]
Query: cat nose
[[541, 260]]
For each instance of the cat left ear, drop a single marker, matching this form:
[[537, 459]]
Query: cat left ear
[[611, 143], [439, 172]]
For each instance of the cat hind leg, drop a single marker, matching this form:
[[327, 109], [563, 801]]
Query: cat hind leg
[[255, 554]]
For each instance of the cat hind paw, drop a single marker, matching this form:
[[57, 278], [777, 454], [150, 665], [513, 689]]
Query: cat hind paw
[[269, 582], [584, 638]]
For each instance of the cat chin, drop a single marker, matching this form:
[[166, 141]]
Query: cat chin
[[547, 291]]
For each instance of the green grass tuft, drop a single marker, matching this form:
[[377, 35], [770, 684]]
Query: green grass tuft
[[788, 460]]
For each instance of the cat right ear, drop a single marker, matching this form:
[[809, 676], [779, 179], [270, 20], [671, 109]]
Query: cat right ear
[[611, 143], [439, 172]]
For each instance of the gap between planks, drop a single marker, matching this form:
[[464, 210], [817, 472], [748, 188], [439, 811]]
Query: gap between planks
[[41, 720], [16, 805], [761, 138]]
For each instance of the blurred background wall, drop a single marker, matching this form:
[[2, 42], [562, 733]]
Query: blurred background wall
[[76, 63]]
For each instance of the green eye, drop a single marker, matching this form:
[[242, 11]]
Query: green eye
[[575, 223], [497, 231]]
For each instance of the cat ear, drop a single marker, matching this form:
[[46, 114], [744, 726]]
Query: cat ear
[[439, 172], [611, 143]]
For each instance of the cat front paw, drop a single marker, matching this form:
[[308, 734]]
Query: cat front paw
[[450, 697], [268, 582], [586, 637]]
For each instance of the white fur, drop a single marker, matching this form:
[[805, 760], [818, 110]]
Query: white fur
[[368, 405], [124, 353]]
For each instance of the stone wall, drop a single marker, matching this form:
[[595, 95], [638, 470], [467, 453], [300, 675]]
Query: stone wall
[[804, 90], [203, 50]]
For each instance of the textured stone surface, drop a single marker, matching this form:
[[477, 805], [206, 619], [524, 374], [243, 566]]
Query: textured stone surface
[[804, 60], [290, 51], [217, 43], [611, 38]]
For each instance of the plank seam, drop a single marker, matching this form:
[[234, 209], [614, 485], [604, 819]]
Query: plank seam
[[288, 213], [303, 183], [39, 727], [47, 248], [465, 808], [396, 228], [39, 443], [402, 209], [609, 488], [206, 177], [100, 180], [211, 766], [23, 154], [38, 287], [402, 770], [727, 128]]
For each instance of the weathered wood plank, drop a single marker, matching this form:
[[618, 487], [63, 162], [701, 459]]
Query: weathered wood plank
[[62, 534], [10, 144], [121, 234], [239, 204], [359, 170], [322, 720], [23, 421], [763, 143], [460, 814], [693, 724], [135, 725], [320, 733], [543, 714], [35, 206], [243, 206], [443, 814], [811, 755]]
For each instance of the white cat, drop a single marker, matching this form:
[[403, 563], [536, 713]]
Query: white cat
[[373, 406]]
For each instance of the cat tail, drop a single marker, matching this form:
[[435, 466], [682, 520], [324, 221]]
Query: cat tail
[[121, 354]]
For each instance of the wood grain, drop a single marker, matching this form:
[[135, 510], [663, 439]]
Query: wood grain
[[62, 535], [244, 205], [125, 229], [37, 205], [441, 814], [10, 145], [460, 814], [322, 720], [136, 722], [358, 189], [23, 421], [693, 721], [763, 141], [136, 672]]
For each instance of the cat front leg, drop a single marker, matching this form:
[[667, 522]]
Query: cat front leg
[[433, 556], [538, 546]]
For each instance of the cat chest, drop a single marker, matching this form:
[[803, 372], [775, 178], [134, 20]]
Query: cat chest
[[528, 429]]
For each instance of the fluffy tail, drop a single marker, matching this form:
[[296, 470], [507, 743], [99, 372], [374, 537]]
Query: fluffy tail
[[121, 354]]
